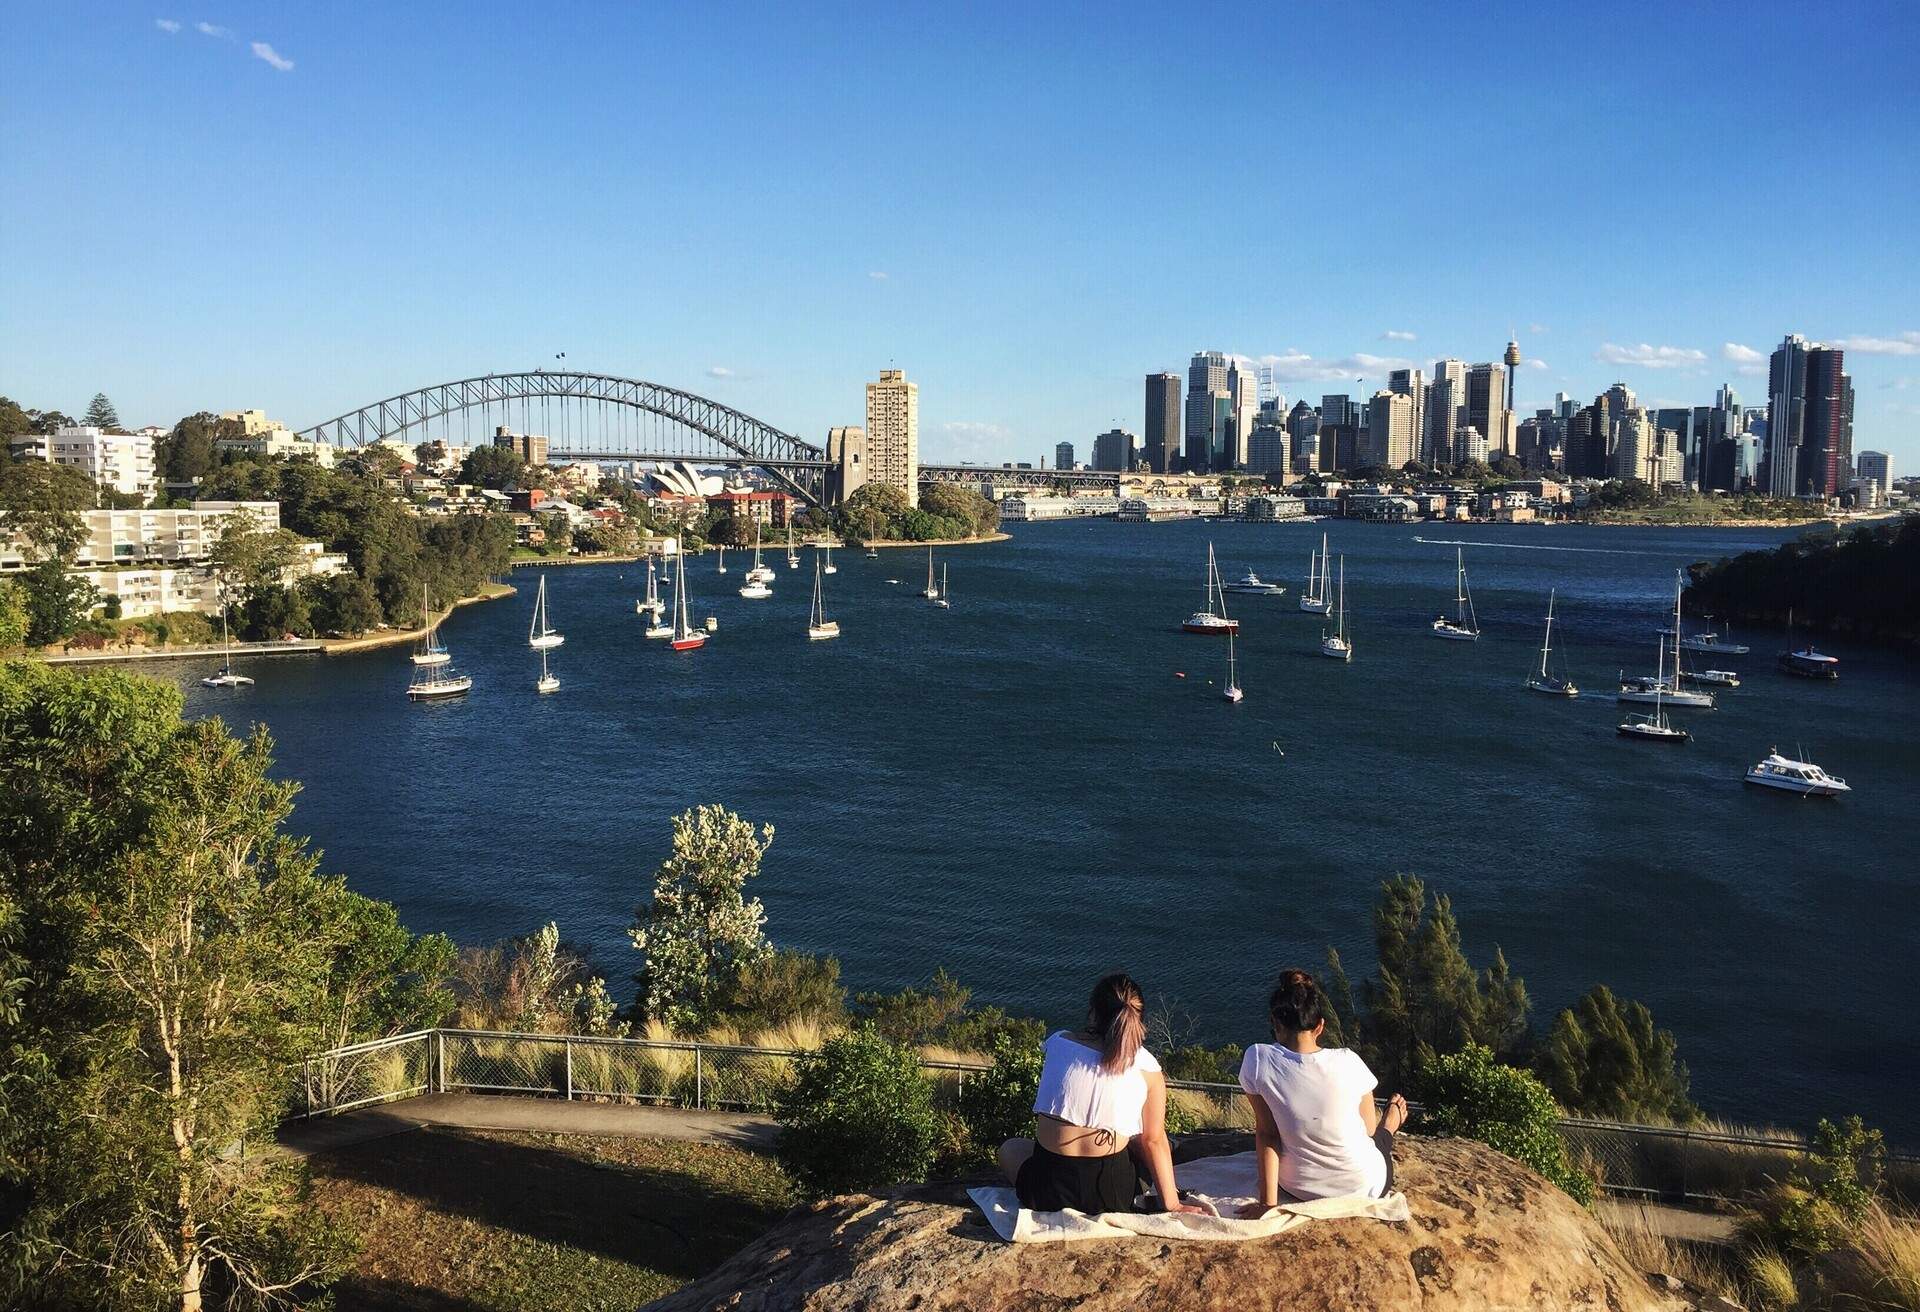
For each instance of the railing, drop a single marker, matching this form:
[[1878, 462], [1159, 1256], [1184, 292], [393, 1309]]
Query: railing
[[1642, 1161]]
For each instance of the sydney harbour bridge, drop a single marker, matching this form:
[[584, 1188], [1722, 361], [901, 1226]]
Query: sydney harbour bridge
[[587, 416]]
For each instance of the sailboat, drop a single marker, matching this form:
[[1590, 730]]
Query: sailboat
[[759, 573], [685, 636], [1542, 681], [540, 634], [1337, 644], [943, 601], [723, 560], [226, 678], [651, 603], [930, 592], [793, 559], [873, 552], [547, 682], [1314, 599], [1232, 691], [1654, 728], [831, 568], [437, 680], [1213, 620], [818, 625], [1661, 689], [432, 650], [1805, 662], [1465, 625]]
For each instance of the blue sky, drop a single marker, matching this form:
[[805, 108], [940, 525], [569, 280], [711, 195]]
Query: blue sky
[[1026, 207]]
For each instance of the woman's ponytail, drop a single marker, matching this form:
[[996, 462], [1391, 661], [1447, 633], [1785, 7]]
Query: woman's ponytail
[[1116, 1013]]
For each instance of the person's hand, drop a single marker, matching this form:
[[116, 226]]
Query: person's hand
[[1252, 1211], [1191, 1209]]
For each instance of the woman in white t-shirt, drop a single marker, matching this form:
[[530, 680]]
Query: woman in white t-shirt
[[1317, 1133], [1102, 1100]]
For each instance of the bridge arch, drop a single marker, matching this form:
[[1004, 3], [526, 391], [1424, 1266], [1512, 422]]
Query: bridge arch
[[728, 434]]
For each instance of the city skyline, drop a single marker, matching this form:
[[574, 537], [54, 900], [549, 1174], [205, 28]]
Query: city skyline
[[352, 213]]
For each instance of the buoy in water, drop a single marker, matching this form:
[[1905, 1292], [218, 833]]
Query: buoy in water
[[1179, 674]]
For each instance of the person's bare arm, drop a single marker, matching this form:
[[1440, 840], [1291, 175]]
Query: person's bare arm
[[1158, 1152], [1266, 1157], [1369, 1114]]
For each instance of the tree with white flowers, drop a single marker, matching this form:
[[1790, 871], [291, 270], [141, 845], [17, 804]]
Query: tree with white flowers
[[700, 928]]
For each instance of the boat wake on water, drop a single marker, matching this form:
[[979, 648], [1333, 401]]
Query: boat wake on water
[[1527, 546]]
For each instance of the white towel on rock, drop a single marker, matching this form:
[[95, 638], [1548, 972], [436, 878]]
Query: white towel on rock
[[1221, 1183]]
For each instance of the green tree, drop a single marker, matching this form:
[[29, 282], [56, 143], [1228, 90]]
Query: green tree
[[15, 620], [342, 604], [187, 453], [998, 1105], [174, 940], [700, 929], [874, 513], [1604, 1057], [13, 419], [58, 601], [383, 979], [248, 559], [497, 467], [46, 505], [859, 1116], [101, 414], [1470, 1094], [1424, 997], [48, 422]]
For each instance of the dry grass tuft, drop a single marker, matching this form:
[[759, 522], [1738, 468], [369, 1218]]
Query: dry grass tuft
[[1648, 1251], [1770, 1282], [1881, 1267]]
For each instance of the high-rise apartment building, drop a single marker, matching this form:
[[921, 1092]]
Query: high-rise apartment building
[[1206, 384], [530, 447], [1826, 460], [893, 433], [1446, 406], [1063, 455], [1113, 451], [1390, 430], [1163, 423], [1267, 447], [122, 462]]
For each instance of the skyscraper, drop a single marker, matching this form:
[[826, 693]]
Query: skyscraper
[[1786, 417], [1113, 451], [1827, 436], [1244, 384], [1063, 455], [1267, 448], [1206, 377], [1163, 423], [1446, 402], [1410, 384], [1877, 467], [893, 433], [1487, 406]]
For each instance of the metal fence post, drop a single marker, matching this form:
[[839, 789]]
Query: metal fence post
[[699, 1078], [439, 1074], [569, 1070]]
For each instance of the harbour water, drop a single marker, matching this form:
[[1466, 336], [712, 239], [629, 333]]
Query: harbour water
[[1022, 789]]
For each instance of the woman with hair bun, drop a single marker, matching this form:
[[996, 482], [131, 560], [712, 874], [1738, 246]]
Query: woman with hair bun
[[1102, 1100], [1316, 1132]]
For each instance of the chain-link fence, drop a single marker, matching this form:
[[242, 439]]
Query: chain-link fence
[[1634, 1160]]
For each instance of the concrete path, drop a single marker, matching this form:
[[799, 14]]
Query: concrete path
[[532, 1115], [1669, 1222]]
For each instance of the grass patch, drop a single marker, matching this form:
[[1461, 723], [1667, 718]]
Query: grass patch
[[473, 1220]]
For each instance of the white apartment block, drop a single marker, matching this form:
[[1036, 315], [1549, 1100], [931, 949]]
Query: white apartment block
[[893, 433], [128, 537], [120, 461]]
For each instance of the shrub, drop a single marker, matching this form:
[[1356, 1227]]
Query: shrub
[[1468, 1093], [779, 990], [859, 1116], [997, 1105]]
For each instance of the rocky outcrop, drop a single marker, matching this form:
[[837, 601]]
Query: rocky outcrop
[[1487, 1233]]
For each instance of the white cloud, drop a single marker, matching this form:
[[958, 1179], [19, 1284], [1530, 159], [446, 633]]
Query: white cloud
[[1904, 344], [1536, 328], [971, 439], [1299, 367], [1395, 335], [167, 25], [261, 50], [878, 275], [719, 371], [211, 29], [1735, 353], [1645, 356], [1531, 363]]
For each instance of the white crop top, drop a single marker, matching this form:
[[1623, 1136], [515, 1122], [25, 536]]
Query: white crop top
[[1074, 1089]]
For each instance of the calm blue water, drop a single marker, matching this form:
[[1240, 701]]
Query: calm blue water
[[1021, 790]]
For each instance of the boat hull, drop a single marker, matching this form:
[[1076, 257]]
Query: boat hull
[[660, 631], [1807, 667], [441, 691], [1552, 688], [1233, 695], [1453, 632], [822, 632], [689, 642], [1700, 701], [1334, 649], [1217, 628], [544, 686], [433, 658], [1313, 606], [1647, 733], [1800, 786], [546, 642]]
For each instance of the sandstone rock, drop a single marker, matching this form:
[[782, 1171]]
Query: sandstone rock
[[1487, 1233]]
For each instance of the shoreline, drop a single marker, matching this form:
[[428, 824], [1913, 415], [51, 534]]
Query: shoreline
[[394, 637], [936, 542], [104, 656]]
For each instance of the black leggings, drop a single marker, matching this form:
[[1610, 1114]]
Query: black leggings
[[1050, 1182], [1383, 1140]]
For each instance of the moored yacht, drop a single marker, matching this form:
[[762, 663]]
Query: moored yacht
[[1663, 688], [438, 680], [1541, 681], [1655, 727], [1314, 599], [1232, 691], [1252, 585], [819, 627], [541, 635], [225, 677], [1465, 625], [685, 636], [1337, 644], [1789, 775], [1213, 620]]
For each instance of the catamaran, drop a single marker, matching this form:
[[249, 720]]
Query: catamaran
[[793, 558], [438, 680], [818, 625], [685, 636], [1803, 777], [1337, 644], [1465, 625], [1314, 599], [1663, 688], [943, 601], [540, 634], [1232, 691], [1543, 681], [759, 573], [1213, 620], [226, 678], [831, 568], [1655, 728], [930, 592]]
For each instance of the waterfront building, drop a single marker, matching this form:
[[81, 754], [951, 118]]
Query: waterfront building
[[530, 447], [1029, 507], [1267, 451], [1141, 510], [1163, 423], [893, 433], [1391, 439], [1113, 451], [1875, 467], [1267, 507], [127, 537], [847, 462], [120, 462], [1206, 385], [1063, 455]]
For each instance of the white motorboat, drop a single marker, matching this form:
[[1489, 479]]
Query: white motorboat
[[541, 635], [1805, 662], [1718, 678], [1314, 599], [1252, 585], [755, 590], [225, 677], [1213, 621], [1465, 625], [1789, 775], [819, 627], [1232, 691], [1713, 643], [1541, 681], [685, 637], [1338, 645]]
